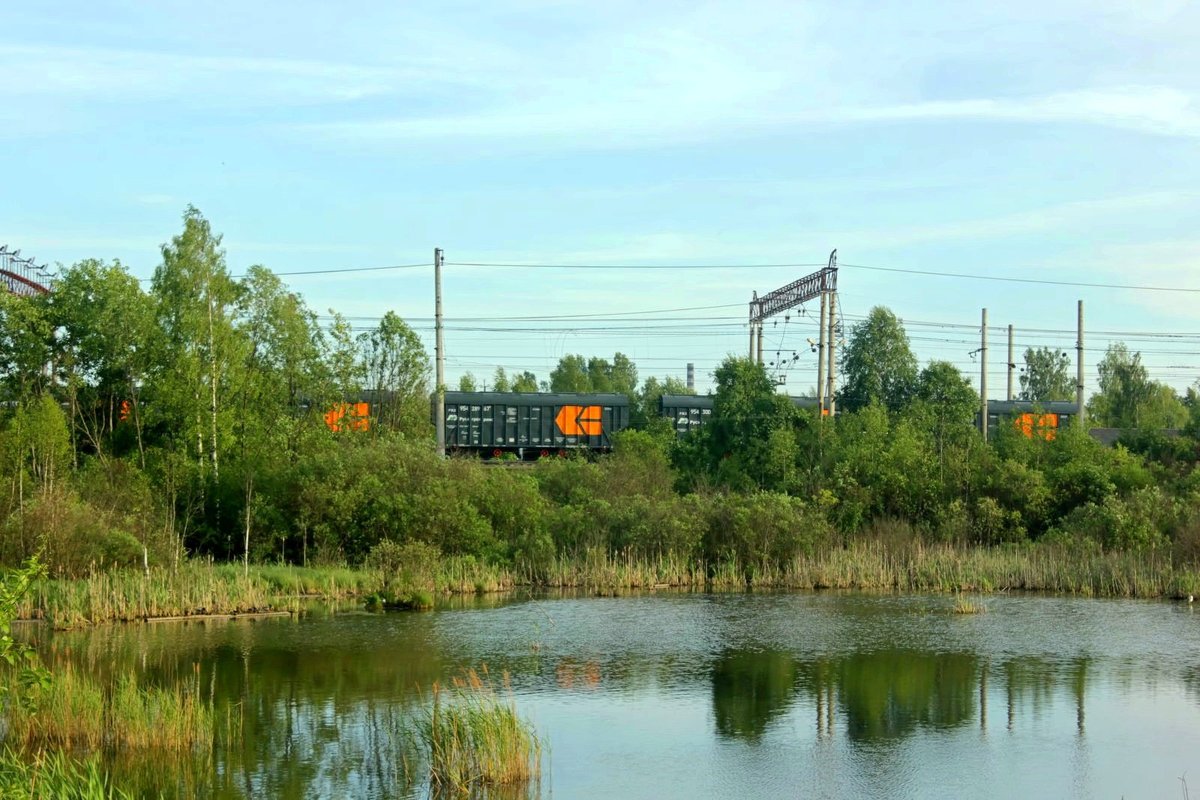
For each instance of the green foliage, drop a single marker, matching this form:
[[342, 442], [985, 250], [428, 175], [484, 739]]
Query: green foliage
[[1129, 399], [1044, 376], [571, 375], [187, 419], [54, 775], [879, 366], [760, 529], [525, 382], [397, 373], [22, 677]]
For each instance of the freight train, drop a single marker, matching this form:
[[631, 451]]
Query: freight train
[[532, 425]]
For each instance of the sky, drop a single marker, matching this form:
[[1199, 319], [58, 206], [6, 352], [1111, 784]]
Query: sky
[[1054, 141]]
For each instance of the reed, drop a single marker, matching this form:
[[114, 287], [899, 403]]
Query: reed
[[199, 588], [53, 775], [965, 605], [196, 588], [473, 738], [81, 712]]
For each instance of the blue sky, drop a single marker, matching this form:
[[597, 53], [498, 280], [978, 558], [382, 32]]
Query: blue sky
[[1019, 139]]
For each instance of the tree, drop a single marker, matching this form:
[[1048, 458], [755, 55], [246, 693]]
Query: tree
[[105, 349], [194, 297], [283, 366], [750, 441], [652, 390], [26, 345], [397, 370], [879, 366], [571, 375], [341, 359], [525, 382], [500, 382], [1044, 377], [1128, 398], [944, 388], [466, 383], [948, 399]]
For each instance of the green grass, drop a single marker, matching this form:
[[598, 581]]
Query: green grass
[[53, 775], [473, 738]]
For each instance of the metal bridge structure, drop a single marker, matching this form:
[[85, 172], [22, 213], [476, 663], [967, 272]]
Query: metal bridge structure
[[21, 276]]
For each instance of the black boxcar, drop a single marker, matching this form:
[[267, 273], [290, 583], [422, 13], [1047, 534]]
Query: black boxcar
[[533, 424], [687, 412]]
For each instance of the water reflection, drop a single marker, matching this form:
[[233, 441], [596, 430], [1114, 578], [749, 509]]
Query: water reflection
[[749, 689], [848, 688], [887, 694]]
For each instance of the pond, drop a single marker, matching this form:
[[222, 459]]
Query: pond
[[687, 695]]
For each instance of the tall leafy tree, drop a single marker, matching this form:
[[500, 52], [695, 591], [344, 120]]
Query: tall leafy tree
[[948, 400], [750, 441], [26, 345], [201, 352], [653, 389], [346, 370], [571, 375], [107, 336], [282, 370], [879, 365], [525, 382], [1045, 376], [466, 383], [397, 371], [500, 381], [1128, 398]]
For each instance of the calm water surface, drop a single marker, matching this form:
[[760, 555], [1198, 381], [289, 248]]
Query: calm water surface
[[706, 695]]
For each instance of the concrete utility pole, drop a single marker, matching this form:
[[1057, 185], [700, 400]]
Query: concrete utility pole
[[439, 404], [821, 357], [1011, 364], [1079, 411], [691, 377], [830, 389], [983, 390], [760, 343]]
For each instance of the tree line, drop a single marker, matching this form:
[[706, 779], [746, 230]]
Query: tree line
[[143, 424]]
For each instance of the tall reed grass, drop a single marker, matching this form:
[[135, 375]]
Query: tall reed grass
[[200, 588], [54, 775], [473, 738], [80, 712]]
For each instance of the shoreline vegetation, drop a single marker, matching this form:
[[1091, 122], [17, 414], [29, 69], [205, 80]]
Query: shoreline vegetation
[[312, 444], [200, 589]]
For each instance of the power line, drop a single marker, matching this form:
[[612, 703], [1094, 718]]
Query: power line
[[338, 271], [626, 266], [900, 270], [1042, 281]]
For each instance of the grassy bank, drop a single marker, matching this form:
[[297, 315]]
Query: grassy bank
[[201, 588]]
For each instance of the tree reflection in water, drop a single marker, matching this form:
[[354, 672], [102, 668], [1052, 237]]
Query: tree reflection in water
[[883, 695]]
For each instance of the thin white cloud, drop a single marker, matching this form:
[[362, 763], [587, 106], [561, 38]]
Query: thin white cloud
[[47, 72], [1148, 109], [657, 117]]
